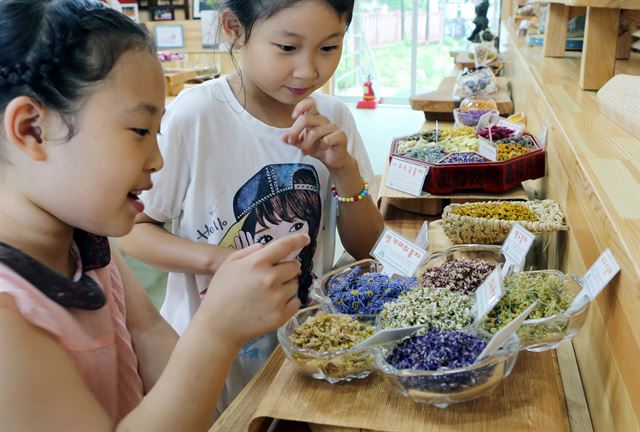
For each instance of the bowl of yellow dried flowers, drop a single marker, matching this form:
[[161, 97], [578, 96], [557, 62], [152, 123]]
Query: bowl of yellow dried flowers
[[489, 222], [320, 343]]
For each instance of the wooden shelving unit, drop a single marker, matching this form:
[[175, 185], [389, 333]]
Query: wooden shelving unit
[[154, 7]]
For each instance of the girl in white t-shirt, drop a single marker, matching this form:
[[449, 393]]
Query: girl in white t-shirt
[[253, 156]]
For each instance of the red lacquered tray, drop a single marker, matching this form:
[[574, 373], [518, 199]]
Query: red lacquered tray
[[486, 176]]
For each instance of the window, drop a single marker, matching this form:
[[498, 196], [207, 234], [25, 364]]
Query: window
[[404, 45]]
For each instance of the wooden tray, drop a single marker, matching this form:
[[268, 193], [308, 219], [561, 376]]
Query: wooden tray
[[527, 400], [441, 102]]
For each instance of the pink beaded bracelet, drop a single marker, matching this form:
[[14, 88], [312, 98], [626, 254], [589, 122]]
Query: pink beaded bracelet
[[363, 193]]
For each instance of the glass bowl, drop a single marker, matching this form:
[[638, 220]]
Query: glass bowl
[[548, 333], [331, 366], [470, 117], [489, 253], [483, 103], [444, 387], [320, 290]]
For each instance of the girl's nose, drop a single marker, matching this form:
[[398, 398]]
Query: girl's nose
[[156, 162], [306, 68]]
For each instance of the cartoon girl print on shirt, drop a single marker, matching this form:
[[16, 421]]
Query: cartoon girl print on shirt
[[279, 200]]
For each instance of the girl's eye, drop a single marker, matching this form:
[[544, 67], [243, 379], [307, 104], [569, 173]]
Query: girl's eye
[[330, 48], [296, 227], [141, 132], [264, 239], [286, 48]]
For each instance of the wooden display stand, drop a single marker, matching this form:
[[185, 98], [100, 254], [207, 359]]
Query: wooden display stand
[[439, 104], [602, 42], [532, 398], [591, 173], [175, 80]]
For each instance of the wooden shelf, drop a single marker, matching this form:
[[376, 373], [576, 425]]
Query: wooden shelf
[[156, 6], [592, 172]]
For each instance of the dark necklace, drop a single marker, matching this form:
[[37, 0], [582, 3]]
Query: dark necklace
[[84, 293]]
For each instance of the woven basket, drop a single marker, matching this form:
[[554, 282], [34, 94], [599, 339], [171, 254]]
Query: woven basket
[[467, 229]]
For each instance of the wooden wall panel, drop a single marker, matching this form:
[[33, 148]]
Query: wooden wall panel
[[593, 173]]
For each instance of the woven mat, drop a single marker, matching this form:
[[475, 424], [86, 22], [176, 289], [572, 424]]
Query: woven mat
[[529, 399]]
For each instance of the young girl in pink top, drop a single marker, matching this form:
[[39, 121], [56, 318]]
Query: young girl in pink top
[[81, 346]]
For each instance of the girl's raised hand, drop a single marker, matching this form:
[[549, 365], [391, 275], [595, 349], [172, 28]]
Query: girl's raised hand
[[243, 240], [316, 136], [255, 290]]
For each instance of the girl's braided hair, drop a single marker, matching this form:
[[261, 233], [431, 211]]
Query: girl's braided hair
[[58, 51]]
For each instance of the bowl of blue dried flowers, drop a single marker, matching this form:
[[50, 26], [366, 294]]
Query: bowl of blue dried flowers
[[319, 342], [438, 367], [360, 288]]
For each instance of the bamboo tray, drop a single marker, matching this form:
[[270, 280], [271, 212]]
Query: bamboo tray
[[527, 400]]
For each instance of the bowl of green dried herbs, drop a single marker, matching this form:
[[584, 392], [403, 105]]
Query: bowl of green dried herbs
[[319, 343], [552, 321]]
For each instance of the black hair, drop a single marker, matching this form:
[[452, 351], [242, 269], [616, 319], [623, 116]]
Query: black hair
[[249, 11], [57, 51]]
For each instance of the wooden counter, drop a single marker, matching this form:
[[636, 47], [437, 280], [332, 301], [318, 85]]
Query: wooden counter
[[533, 397], [593, 172]]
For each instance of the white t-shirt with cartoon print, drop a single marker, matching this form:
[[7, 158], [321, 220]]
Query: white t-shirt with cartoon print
[[230, 180]]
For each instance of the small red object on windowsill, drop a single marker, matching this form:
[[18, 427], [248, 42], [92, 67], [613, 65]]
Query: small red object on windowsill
[[368, 100]]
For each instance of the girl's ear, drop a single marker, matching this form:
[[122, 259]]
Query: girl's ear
[[232, 27], [24, 126]]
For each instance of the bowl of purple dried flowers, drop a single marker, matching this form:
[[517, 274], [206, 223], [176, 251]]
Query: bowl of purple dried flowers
[[360, 288], [439, 368], [319, 342], [461, 268]]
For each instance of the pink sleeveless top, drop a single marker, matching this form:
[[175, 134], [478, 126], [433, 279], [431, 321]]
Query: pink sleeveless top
[[97, 340]]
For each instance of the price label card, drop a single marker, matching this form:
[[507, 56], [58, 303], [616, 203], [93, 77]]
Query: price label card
[[543, 135], [487, 149], [488, 294], [601, 273], [406, 176], [499, 339], [422, 239], [516, 246], [397, 254], [517, 127], [487, 119]]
